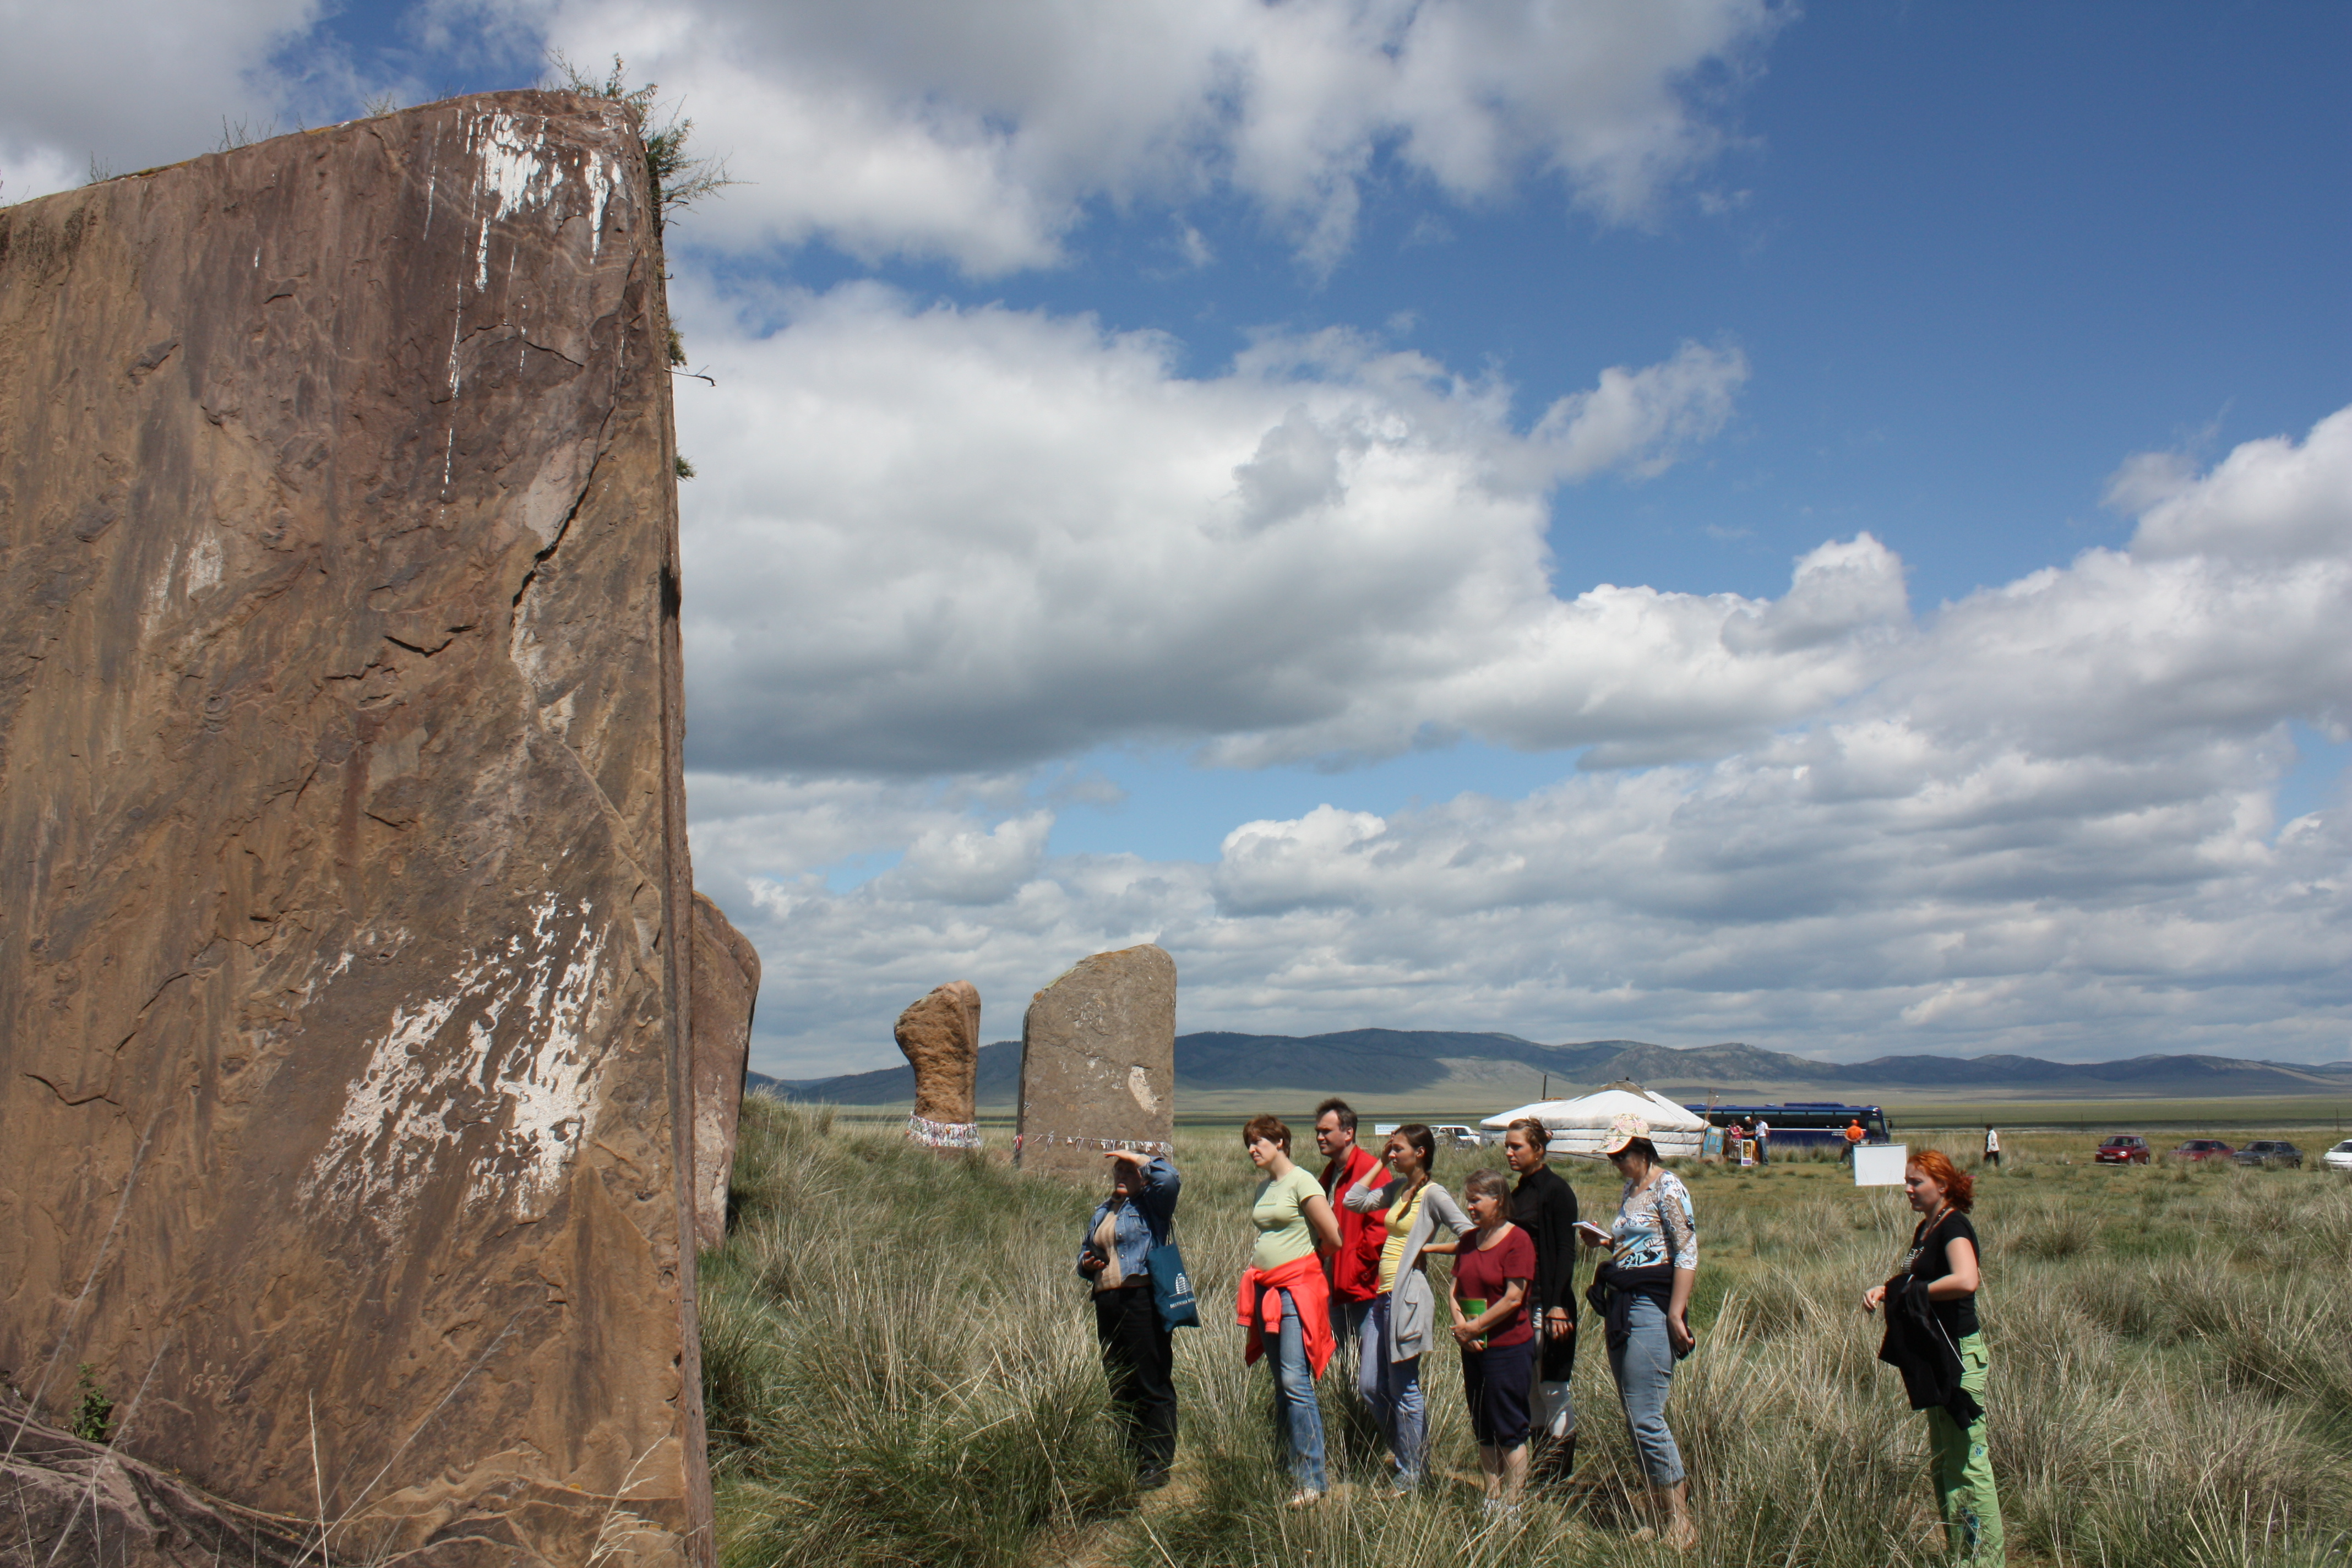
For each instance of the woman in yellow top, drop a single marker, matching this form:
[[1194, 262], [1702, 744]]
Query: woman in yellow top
[[1403, 1318]]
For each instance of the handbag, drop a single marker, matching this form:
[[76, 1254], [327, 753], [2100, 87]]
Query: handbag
[[1172, 1286]]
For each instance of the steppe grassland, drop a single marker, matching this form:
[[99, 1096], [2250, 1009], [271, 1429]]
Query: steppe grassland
[[900, 1368]]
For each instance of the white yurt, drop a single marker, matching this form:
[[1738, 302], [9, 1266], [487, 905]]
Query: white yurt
[[1579, 1126]]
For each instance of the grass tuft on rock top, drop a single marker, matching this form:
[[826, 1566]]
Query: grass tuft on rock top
[[900, 1368]]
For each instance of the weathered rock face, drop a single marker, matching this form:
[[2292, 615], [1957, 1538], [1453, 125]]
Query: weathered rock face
[[66, 1503], [939, 1034], [726, 986], [1099, 1063], [345, 898]]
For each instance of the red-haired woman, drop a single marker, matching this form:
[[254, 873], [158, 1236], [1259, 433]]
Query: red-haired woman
[[1933, 1335]]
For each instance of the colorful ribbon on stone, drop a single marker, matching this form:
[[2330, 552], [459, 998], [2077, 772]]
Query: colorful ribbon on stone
[[943, 1134], [1063, 1139]]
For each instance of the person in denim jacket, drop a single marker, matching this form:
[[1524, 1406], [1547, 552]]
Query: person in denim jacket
[[1138, 1353]]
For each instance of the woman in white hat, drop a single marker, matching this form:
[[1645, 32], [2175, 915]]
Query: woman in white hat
[[1643, 1293]]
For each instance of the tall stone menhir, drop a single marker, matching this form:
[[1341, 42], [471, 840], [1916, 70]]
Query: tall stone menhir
[[939, 1033], [726, 988], [1099, 1063], [345, 910]]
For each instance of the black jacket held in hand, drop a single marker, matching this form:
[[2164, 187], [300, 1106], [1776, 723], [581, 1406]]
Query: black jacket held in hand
[[1612, 1290], [1917, 1346]]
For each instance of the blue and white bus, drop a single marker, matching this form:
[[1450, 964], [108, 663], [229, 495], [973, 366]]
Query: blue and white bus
[[1804, 1123]]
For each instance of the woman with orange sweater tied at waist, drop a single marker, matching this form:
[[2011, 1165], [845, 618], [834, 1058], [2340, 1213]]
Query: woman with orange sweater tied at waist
[[1284, 1300]]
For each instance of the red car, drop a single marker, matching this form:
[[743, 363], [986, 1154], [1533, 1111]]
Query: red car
[[2203, 1149], [2123, 1149]]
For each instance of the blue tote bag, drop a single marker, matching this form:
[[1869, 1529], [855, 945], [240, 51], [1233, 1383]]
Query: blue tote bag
[[1172, 1286]]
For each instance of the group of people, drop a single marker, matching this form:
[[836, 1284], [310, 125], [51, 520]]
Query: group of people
[[1339, 1270], [1739, 1132]]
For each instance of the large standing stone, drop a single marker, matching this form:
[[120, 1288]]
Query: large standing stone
[[1099, 1063], [726, 987], [344, 896], [939, 1034]]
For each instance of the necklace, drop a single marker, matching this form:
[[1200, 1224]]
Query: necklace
[[1927, 1227]]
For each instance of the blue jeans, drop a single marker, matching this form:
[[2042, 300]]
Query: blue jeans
[[1296, 1412], [1392, 1389], [1351, 1322], [1644, 1363]]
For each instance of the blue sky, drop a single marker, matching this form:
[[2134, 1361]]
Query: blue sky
[[1167, 458]]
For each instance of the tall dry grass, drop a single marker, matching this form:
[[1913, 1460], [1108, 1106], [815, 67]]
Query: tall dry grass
[[900, 1368]]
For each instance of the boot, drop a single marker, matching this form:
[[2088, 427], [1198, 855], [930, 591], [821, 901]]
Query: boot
[[1556, 1464], [1681, 1530], [1670, 1509]]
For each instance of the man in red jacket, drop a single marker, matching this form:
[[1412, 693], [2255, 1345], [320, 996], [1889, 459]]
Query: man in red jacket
[[1355, 1269]]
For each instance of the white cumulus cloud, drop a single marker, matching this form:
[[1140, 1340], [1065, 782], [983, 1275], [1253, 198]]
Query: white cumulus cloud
[[2043, 818], [980, 132], [936, 539]]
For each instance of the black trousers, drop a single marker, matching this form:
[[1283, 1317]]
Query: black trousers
[[1140, 1361], [1555, 1353]]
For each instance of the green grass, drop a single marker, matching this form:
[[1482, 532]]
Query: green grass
[[900, 1368]]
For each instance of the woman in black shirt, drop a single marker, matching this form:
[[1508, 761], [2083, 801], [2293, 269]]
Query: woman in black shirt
[[1943, 1264], [1544, 1205]]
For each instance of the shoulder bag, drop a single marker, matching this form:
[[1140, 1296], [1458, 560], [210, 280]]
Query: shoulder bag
[[1172, 1286]]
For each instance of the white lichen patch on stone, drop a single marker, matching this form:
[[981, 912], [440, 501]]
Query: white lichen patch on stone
[[518, 173], [203, 563], [487, 1083], [1138, 1084]]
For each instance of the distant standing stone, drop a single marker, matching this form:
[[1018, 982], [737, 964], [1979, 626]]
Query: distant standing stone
[[939, 1034], [1098, 1062], [726, 985]]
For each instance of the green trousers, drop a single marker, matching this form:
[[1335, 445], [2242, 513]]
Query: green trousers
[[1962, 1467]]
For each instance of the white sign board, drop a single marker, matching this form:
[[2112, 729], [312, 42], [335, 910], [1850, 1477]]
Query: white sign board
[[1879, 1164]]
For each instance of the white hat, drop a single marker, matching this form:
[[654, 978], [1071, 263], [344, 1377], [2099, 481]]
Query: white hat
[[1623, 1129]]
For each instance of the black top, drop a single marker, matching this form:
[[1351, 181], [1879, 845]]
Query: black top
[[1927, 1263], [1544, 1205]]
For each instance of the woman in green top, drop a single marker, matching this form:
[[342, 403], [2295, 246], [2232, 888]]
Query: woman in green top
[[1292, 1215]]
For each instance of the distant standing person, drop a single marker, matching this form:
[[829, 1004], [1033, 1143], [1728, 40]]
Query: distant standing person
[[1763, 1135], [1854, 1137], [1543, 1204], [1643, 1294], [1353, 1266], [1403, 1319], [1138, 1353], [1931, 1308], [1285, 1300], [1493, 1269], [1993, 1146]]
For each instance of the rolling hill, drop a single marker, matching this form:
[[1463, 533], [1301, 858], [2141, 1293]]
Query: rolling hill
[[1431, 1067]]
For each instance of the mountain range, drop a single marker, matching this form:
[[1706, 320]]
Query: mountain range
[[1433, 1065]]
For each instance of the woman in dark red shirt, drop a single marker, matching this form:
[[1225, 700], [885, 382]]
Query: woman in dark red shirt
[[1492, 1267]]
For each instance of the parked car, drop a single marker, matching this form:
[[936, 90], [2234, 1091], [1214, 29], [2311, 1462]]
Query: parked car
[[2203, 1149], [1449, 1133], [2271, 1152], [2123, 1149], [2338, 1158]]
